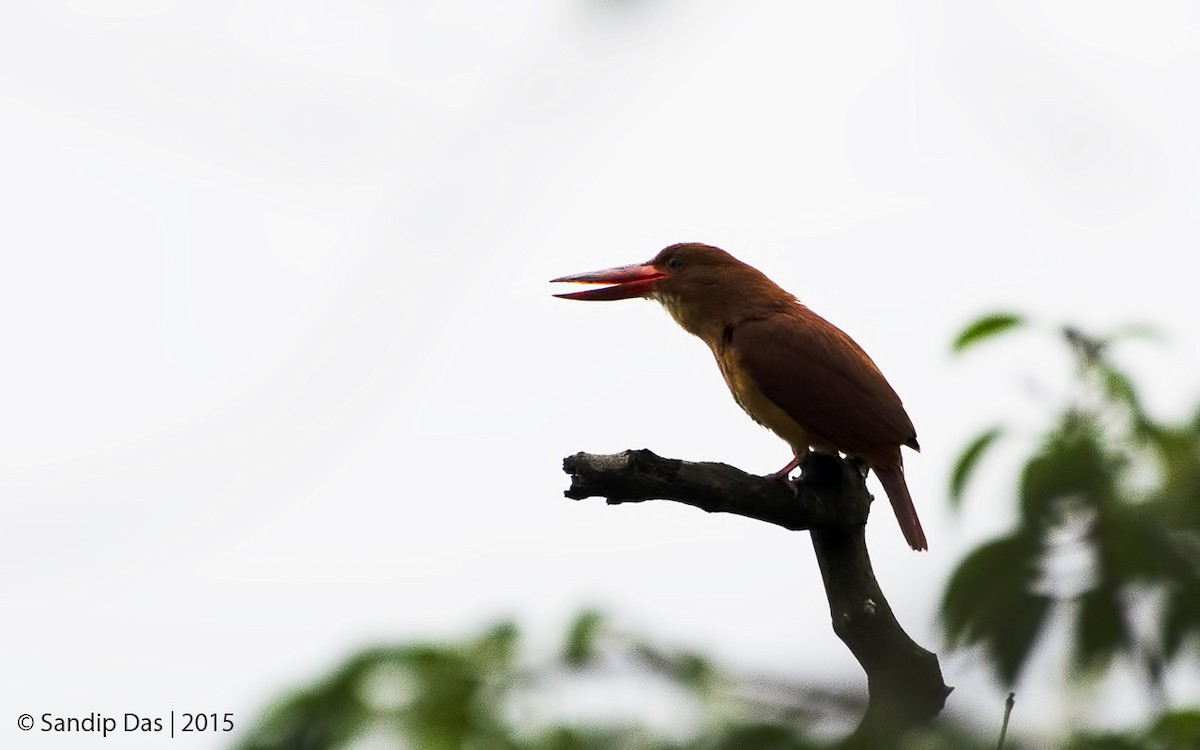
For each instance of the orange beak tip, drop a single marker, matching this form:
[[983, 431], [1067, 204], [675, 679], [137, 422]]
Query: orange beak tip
[[636, 280]]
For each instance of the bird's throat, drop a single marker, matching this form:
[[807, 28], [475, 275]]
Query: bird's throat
[[689, 317]]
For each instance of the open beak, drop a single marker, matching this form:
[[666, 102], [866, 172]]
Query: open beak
[[635, 280]]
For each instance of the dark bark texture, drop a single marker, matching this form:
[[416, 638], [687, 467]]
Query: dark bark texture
[[830, 500]]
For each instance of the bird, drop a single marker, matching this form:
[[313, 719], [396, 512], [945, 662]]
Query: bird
[[788, 368]]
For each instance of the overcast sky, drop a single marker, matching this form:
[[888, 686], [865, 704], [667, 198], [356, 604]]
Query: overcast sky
[[282, 376]]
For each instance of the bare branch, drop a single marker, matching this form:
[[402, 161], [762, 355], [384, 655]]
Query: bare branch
[[1008, 707], [904, 681], [635, 476]]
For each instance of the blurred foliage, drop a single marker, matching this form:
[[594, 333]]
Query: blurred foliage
[[433, 696], [1179, 730], [478, 694], [1108, 523]]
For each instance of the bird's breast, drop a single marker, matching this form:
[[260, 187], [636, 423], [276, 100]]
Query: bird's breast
[[761, 409]]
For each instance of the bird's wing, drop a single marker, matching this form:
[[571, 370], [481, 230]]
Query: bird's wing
[[823, 380]]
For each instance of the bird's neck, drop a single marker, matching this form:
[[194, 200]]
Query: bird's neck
[[710, 317]]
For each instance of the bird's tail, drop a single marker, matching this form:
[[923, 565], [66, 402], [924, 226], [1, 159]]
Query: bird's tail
[[892, 478]]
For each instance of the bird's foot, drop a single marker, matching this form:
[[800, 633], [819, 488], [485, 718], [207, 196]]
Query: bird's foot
[[787, 481], [782, 474]]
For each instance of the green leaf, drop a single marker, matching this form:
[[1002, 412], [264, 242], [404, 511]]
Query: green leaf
[[1178, 729], [1070, 463], [984, 328], [1101, 629], [1133, 546], [1177, 498], [990, 601], [1087, 348], [580, 647], [1105, 741], [496, 649], [1182, 618], [688, 669], [693, 671], [964, 603], [1011, 645], [1119, 387], [966, 463]]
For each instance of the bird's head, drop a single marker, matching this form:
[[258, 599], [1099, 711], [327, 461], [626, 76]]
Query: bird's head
[[703, 287]]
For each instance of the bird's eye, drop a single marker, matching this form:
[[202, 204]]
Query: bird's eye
[[674, 262]]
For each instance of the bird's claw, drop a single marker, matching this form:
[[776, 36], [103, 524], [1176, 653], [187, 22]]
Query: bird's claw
[[790, 483]]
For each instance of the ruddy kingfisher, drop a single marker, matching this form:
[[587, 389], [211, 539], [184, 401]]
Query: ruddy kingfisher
[[791, 370]]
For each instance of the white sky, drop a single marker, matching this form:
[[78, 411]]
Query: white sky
[[282, 375]]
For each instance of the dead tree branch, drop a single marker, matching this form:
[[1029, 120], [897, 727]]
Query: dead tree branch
[[904, 681]]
